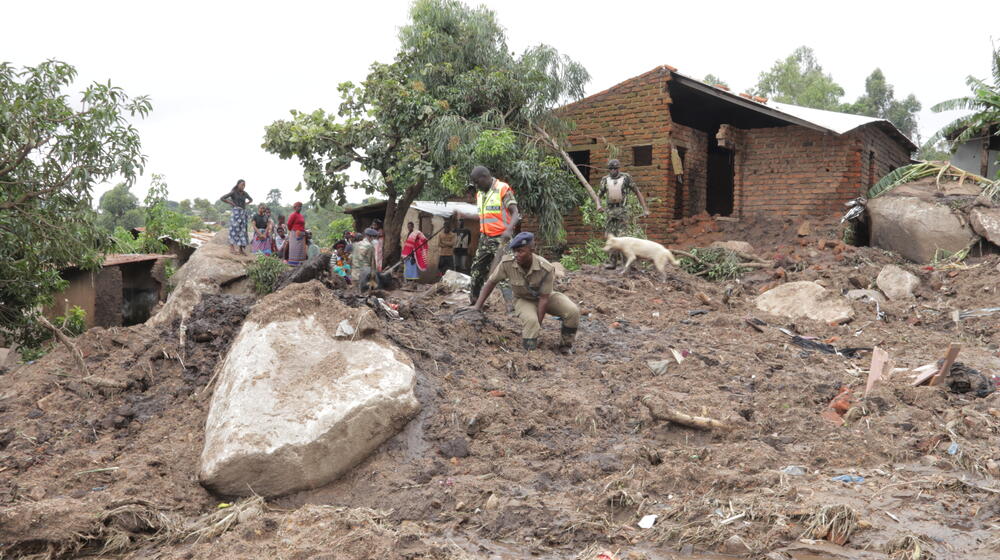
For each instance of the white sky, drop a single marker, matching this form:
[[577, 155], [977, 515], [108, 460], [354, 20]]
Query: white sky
[[219, 72]]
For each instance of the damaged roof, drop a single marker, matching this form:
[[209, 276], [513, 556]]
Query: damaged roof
[[116, 260]]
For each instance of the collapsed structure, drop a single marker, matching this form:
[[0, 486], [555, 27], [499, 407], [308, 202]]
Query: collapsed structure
[[700, 148]]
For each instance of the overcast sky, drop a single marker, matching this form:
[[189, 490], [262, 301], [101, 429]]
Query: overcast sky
[[219, 72]]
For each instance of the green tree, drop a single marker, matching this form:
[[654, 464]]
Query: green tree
[[713, 80], [114, 205], [799, 80], [53, 150], [415, 122], [206, 210], [879, 101], [161, 220], [274, 197], [984, 107]]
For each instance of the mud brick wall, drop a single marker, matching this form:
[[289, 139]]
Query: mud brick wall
[[887, 152]]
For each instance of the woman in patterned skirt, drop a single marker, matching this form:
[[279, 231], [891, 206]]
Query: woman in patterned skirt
[[263, 231], [296, 242], [238, 199]]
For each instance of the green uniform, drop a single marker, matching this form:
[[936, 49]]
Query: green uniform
[[616, 190], [527, 286], [487, 248]]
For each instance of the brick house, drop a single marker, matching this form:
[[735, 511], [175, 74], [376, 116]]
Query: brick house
[[701, 149]]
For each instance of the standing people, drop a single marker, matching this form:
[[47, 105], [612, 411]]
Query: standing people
[[414, 253], [532, 278], [363, 259], [297, 251], [446, 248], [238, 199], [498, 216], [262, 231], [616, 185], [462, 239], [312, 248]]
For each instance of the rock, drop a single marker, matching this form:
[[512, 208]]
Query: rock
[[805, 299], [897, 283], [294, 406], [734, 545], [986, 222], [805, 228], [863, 294], [915, 228], [212, 269], [456, 281], [737, 246]]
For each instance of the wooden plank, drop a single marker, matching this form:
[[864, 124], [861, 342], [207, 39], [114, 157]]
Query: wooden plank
[[949, 360], [879, 359], [923, 373]]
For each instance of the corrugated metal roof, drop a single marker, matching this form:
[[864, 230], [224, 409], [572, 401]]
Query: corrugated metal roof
[[445, 209], [116, 260]]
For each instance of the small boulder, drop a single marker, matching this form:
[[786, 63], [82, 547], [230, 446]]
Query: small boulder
[[805, 300], [456, 281], [986, 222], [295, 407], [737, 246], [863, 294], [897, 283]]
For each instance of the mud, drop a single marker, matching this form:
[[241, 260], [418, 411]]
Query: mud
[[517, 455]]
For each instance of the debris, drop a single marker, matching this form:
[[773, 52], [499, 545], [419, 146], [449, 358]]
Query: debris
[[647, 521], [456, 281], [732, 519], [794, 470], [696, 312], [881, 367], [491, 503], [702, 297], [658, 367], [805, 229], [949, 359], [755, 323], [497, 393], [659, 411], [953, 448], [679, 356], [848, 478], [813, 345], [344, 329], [963, 379], [986, 311]]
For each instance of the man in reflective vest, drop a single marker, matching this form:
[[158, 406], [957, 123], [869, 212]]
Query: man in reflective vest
[[498, 216]]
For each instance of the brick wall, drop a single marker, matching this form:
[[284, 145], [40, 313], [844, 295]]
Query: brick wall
[[888, 154]]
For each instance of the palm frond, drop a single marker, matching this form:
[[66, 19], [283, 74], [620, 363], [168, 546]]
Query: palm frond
[[917, 171]]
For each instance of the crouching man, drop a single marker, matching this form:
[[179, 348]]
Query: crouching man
[[531, 279]]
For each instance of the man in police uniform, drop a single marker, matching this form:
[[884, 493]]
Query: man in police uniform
[[616, 186], [532, 278], [498, 216]]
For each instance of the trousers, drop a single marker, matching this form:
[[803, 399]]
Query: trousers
[[559, 306]]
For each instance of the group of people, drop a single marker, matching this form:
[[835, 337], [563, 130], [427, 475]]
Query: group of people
[[502, 259], [288, 240]]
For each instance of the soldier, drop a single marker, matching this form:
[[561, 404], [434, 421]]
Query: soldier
[[616, 185], [532, 279], [498, 216]]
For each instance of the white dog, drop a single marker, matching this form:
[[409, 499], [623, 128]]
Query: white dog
[[634, 248]]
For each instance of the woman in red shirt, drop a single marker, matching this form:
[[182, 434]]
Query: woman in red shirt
[[297, 250]]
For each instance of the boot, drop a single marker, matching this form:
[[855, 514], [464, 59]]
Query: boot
[[566, 338], [529, 343]]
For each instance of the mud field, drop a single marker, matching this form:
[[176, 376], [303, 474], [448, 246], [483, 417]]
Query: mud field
[[518, 455]]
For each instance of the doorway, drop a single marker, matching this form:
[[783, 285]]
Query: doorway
[[719, 198]]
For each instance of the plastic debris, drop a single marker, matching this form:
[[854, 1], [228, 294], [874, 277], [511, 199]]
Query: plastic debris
[[848, 478], [647, 521], [953, 448], [658, 367], [794, 470], [344, 329]]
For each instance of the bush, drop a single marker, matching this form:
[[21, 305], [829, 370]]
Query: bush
[[74, 322], [265, 272], [590, 253]]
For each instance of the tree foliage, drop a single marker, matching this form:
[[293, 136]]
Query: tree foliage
[[119, 207], [713, 80], [983, 106], [53, 150], [800, 80], [879, 101], [419, 119]]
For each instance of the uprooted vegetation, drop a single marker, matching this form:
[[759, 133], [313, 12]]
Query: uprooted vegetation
[[534, 454]]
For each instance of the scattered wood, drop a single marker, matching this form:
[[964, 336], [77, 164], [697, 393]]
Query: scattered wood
[[949, 360], [105, 382], [73, 348], [703, 297], [569, 163], [660, 411], [880, 359]]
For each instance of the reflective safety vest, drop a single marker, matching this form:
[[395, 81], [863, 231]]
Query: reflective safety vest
[[493, 216]]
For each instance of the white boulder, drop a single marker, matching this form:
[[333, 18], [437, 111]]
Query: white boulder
[[296, 407], [897, 283], [917, 229], [809, 300], [986, 222]]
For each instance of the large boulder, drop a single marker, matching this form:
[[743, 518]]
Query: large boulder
[[295, 406], [736, 246], [212, 269], [897, 283], [986, 222], [809, 300], [917, 228]]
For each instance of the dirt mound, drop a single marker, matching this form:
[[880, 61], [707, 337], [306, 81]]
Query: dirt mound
[[536, 454]]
